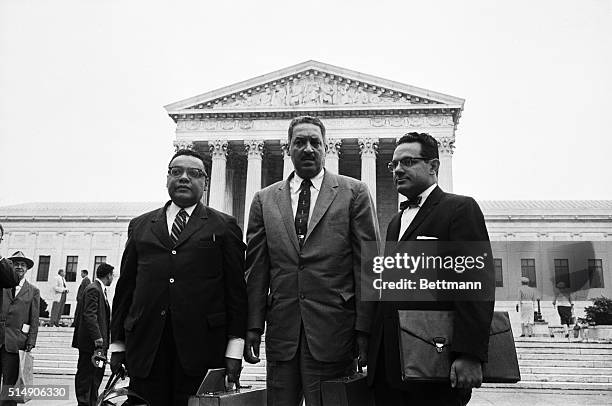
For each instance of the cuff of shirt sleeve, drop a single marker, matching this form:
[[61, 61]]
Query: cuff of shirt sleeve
[[235, 347], [117, 346]]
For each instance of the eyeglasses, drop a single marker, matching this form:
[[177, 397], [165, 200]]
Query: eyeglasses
[[406, 162], [178, 171]]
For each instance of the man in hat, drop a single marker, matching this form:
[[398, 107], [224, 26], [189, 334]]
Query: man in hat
[[18, 321], [8, 276]]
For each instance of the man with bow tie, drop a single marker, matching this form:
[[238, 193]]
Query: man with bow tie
[[304, 270], [91, 334], [18, 321], [430, 214], [180, 304]]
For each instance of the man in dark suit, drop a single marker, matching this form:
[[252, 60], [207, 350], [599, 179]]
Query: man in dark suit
[[8, 276], [304, 270], [431, 214], [84, 283], [180, 304], [18, 321], [91, 333]]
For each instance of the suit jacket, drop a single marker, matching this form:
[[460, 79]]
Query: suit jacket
[[17, 311], [198, 283], [79, 305], [315, 286], [448, 217], [58, 288], [8, 277], [94, 319], [84, 283]]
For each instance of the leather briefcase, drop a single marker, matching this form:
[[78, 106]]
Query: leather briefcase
[[425, 339], [347, 391], [212, 392]]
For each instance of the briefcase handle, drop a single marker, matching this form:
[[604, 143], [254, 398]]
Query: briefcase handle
[[110, 392]]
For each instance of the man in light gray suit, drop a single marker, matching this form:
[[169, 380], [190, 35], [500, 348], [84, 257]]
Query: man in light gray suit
[[304, 270]]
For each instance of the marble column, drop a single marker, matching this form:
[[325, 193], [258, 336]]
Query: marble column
[[229, 190], [333, 155], [218, 152], [445, 173], [254, 151], [287, 164], [368, 148]]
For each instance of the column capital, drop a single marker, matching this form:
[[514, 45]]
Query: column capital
[[446, 145], [182, 144], [254, 148], [368, 146], [218, 148], [284, 146], [333, 146]]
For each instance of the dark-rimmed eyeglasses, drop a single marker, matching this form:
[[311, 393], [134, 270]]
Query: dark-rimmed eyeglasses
[[178, 171], [406, 162]]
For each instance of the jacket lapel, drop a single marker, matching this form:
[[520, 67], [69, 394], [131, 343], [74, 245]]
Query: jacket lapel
[[160, 226], [327, 194], [283, 200], [196, 222], [432, 201], [24, 289]]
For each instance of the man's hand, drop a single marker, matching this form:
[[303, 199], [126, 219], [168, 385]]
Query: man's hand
[[362, 348], [29, 347], [98, 342], [252, 342], [233, 368], [466, 372], [117, 363]]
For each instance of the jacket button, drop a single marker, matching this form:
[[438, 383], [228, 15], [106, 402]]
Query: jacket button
[[163, 313], [173, 252], [301, 267], [302, 296], [171, 280]]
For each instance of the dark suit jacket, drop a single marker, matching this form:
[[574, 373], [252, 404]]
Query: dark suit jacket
[[197, 282], [8, 276], [94, 319], [316, 286], [17, 311], [448, 217], [79, 307], [84, 283]]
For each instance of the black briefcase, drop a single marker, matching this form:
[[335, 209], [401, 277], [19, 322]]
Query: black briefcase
[[347, 391], [425, 338], [212, 392]]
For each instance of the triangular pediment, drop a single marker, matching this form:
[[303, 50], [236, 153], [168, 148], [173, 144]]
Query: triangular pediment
[[313, 85]]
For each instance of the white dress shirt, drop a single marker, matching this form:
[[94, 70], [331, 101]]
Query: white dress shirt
[[296, 183], [410, 213], [173, 210], [18, 287]]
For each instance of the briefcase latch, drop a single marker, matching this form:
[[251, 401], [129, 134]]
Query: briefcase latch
[[440, 343]]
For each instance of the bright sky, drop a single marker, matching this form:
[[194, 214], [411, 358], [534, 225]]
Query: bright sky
[[83, 84]]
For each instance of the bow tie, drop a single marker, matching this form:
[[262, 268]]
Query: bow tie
[[410, 203]]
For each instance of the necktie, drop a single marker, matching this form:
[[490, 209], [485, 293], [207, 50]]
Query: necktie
[[178, 225], [13, 290], [410, 203], [303, 210]]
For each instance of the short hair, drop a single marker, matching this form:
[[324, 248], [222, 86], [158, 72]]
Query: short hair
[[429, 145], [305, 120], [104, 270], [60, 270], [188, 152], [85, 271]]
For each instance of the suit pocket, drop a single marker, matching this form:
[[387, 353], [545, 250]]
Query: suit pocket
[[207, 244], [216, 319]]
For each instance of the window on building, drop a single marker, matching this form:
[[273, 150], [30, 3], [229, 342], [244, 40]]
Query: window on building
[[43, 268], [528, 270], [499, 277], [72, 261], [596, 273], [66, 310], [97, 261], [562, 272]]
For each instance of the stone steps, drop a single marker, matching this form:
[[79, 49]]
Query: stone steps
[[545, 363]]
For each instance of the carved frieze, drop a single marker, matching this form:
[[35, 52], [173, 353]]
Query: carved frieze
[[311, 89], [417, 120], [213, 125]]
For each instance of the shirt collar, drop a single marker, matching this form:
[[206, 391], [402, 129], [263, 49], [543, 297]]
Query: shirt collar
[[425, 194], [21, 282], [173, 210], [317, 180], [101, 283]]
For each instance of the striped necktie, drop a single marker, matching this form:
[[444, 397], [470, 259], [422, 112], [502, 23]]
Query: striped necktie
[[303, 210], [178, 225]]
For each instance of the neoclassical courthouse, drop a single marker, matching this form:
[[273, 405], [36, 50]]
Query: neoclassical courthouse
[[242, 131]]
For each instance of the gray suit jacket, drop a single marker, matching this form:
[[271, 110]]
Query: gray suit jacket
[[17, 311], [315, 286]]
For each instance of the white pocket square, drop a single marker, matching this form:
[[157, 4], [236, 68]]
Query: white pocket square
[[426, 237]]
